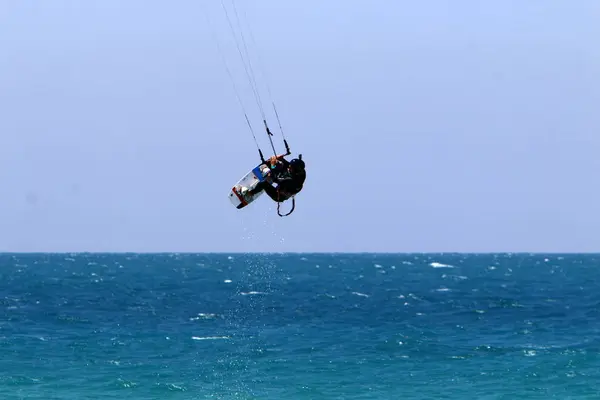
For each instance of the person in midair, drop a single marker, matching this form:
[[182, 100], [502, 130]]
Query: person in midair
[[288, 175]]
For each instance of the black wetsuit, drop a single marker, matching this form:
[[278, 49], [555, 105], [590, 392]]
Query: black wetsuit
[[288, 184]]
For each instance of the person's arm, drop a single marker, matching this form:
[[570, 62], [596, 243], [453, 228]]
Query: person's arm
[[273, 160]]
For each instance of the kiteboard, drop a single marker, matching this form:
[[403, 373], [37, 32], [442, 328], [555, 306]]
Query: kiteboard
[[238, 196]]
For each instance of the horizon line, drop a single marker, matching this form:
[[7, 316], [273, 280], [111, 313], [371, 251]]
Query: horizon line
[[300, 252]]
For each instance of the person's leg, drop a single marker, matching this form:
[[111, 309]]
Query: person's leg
[[259, 186], [271, 191]]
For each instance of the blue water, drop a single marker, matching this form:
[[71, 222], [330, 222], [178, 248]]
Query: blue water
[[299, 326]]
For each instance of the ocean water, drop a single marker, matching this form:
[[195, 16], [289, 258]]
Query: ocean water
[[299, 326]]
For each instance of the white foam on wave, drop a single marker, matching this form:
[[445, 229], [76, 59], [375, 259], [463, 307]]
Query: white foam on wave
[[360, 294], [203, 316], [440, 265], [252, 293], [455, 277], [210, 337]]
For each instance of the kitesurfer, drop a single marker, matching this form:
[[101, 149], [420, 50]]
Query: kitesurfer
[[289, 176]]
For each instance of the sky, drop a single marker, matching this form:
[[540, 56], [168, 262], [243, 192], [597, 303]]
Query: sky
[[436, 126]]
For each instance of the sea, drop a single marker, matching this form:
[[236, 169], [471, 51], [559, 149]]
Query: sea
[[299, 326]]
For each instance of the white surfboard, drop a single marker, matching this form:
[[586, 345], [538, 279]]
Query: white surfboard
[[237, 196]]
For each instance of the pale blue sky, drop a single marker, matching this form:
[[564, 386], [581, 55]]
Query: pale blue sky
[[425, 126]]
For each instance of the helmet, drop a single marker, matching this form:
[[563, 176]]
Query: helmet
[[297, 163]]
